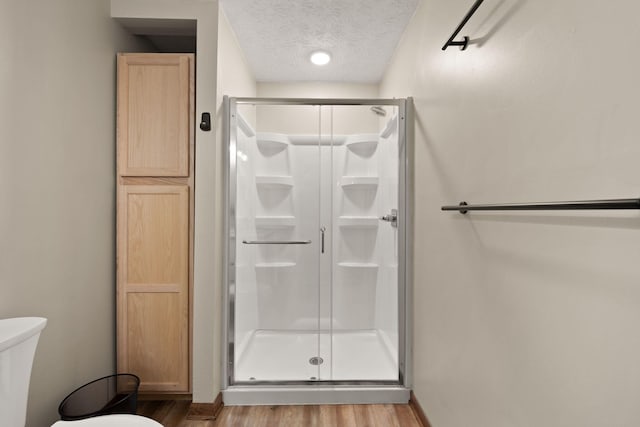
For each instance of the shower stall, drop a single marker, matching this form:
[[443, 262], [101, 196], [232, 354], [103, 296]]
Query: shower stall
[[316, 270]]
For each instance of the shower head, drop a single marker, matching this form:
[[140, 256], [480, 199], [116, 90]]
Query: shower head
[[379, 110]]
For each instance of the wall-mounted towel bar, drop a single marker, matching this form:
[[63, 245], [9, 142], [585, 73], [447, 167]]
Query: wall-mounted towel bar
[[463, 207], [465, 42], [276, 242]]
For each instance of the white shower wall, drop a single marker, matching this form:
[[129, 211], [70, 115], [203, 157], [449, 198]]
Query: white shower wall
[[287, 188]]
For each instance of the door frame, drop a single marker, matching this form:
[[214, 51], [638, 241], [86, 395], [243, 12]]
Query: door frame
[[405, 240]]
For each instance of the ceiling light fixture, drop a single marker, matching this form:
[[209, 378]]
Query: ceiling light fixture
[[320, 57]]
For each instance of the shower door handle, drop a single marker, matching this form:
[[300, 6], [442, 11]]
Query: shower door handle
[[322, 230], [392, 218], [276, 242]]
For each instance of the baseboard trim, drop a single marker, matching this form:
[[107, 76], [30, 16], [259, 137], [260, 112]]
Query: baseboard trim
[[417, 409], [144, 397], [205, 411]]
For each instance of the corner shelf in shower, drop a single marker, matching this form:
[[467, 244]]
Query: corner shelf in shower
[[275, 221], [358, 221], [264, 181], [359, 181], [272, 141], [363, 144], [358, 265], [269, 265]]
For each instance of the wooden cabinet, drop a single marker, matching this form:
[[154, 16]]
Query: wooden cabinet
[[154, 114], [154, 221]]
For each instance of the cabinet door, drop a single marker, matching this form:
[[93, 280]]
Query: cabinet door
[[154, 114], [153, 291]]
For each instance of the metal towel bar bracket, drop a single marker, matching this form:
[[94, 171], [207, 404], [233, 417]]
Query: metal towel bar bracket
[[463, 207], [465, 42]]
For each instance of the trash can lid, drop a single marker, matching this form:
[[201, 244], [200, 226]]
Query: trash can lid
[[118, 420]]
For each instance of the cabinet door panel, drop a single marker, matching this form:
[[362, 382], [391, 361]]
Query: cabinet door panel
[[154, 114], [153, 291], [159, 359], [155, 236]]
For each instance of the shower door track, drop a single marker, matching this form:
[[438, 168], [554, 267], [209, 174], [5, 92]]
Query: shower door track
[[400, 102], [321, 391]]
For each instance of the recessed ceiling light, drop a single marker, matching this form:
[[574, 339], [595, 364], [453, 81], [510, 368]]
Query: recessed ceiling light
[[320, 57]]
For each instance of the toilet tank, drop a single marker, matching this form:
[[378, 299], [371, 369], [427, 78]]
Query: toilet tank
[[18, 341]]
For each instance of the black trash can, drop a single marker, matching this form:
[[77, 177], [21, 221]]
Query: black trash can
[[113, 394]]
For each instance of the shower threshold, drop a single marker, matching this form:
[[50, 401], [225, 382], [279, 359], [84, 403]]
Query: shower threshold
[[314, 395]]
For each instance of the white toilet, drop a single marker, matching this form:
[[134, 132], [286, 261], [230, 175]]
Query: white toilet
[[18, 341], [111, 421]]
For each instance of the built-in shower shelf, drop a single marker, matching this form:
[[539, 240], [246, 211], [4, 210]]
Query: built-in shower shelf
[[359, 181], [268, 265], [275, 221], [363, 144], [272, 141], [356, 265], [358, 221], [274, 181]]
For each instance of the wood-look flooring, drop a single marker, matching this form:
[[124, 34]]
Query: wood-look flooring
[[172, 413]]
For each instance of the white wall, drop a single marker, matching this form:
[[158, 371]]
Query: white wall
[[300, 120], [57, 187], [316, 90], [234, 76], [525, 319]]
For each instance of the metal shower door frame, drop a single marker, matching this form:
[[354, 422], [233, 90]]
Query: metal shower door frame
[[405, 242]]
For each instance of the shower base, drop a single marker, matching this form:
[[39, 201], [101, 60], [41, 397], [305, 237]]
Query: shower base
[[281, 356], [360, 355]]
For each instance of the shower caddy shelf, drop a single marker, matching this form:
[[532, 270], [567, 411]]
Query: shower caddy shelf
[[273, 141], [358, 221], [274, 181], [359, 181], [358, 265], [362, 143], [273, 265], [272, 144], [363, 147]]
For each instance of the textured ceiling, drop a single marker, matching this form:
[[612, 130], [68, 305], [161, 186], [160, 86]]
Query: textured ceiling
[[277, 36]]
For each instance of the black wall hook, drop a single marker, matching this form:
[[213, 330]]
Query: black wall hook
[[205, 122], [465, 42]]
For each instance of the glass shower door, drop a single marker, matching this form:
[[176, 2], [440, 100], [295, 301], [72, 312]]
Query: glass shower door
[[277, 242], [316, 238], [364, 253]]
